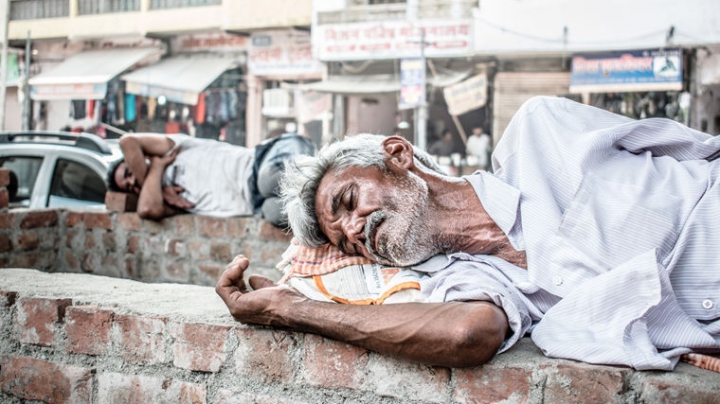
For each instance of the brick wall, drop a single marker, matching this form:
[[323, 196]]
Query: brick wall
[[78, 338], [183, 249]]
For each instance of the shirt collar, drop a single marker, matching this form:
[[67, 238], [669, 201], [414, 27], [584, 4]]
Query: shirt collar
[[499, 199]]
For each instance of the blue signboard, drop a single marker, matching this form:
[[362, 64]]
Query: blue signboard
[[645, 70], [412, 83]]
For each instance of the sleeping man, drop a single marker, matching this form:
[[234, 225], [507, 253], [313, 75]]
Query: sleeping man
[[596, 234]]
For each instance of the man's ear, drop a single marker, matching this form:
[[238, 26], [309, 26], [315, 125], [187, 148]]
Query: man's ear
[[399, 152]]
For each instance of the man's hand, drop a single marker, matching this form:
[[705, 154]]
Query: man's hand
[[171, 195], [164, 161], [263, 305]]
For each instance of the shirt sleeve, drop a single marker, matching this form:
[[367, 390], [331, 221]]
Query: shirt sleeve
[[479, 281]]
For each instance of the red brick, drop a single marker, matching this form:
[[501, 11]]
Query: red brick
[[210, 226], [270, 254], [25, 260], [225, 396], [175, 248], [5, 244], [133, 244], [221, 252], [237, 227], [270, 232], [121, 201], [658, 390], [88, 329], [109, 242], [492, 384], [37, 317], [89, 240], [7, 220], [110, 265], [213, 271], [129, 221], [4, 177], [333, 364], [184, 225], [595, 384], [199, 250], [152, 227], [72, 219], [130, 268], [39, 218], [407, 381], [90, 262], [97, 221], [27, 240], [71, 260], [35, 379], [265, 355], [200, 347], [140, 338], [176, 272], [118, 388], [4, 198]]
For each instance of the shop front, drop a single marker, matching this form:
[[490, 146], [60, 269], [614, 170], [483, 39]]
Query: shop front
[[638, 84], [279, 61], [83, 92], [198, 89]]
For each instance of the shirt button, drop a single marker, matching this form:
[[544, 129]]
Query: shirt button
[[558, 281], [707, 304]]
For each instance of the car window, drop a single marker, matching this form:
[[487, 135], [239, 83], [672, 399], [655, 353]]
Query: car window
[[23, 173], [75, 184]]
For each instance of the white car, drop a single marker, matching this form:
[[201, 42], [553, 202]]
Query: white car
[[57, 169]]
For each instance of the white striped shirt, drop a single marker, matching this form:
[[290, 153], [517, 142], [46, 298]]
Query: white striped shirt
[[620, 221]]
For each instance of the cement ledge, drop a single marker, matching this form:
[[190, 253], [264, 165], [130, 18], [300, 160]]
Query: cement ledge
[[114, 339]]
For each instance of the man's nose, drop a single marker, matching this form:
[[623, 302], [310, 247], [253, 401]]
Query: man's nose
[[355, 229]]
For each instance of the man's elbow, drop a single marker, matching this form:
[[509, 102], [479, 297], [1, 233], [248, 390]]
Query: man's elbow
[[476, 340], [151, 213]]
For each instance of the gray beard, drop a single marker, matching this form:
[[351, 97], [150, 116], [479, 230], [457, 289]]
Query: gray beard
[[407, 239]]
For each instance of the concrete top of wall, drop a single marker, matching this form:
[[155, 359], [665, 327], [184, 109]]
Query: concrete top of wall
[[197, 346], [187, 303]]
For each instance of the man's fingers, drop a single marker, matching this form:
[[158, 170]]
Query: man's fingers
[[259, 282], [231, 283]]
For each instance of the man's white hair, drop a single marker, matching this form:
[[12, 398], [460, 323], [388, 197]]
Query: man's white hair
[[302, 177]]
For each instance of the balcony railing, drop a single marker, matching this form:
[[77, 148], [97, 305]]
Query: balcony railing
[[86, 7], [36, 9], [437, 9], [165, 4]]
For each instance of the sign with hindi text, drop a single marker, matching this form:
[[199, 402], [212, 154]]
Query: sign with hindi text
[[645, 70], [467, 95]]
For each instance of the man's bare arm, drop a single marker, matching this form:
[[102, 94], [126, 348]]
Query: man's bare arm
[[151, 204], [137, 146], [453, 334]]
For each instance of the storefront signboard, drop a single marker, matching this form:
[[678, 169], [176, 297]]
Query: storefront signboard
[[643, 70], [467, 95], [215, 42], [282, 53], [393, 39], [412, 83], [81, 91]]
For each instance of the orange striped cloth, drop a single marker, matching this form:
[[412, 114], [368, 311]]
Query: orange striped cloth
[[307, 261]]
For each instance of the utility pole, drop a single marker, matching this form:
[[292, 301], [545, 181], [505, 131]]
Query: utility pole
[[421, 110], [26, 86], [3, 64]]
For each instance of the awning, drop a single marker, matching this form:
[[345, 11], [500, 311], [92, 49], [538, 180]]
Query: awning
[[179, 78], [376, 83], [85, 75]]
